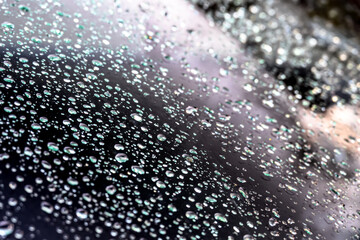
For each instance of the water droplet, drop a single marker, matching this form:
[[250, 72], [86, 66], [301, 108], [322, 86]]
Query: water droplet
[[24, 8], [119, 147], [248, 237], [69, 150], [191, 215], [53, 146], [81, 213], [161, 137], [137, 169], [72, 181], [121, 157], [160, 184], [7, 26], [220, 217], [84, 127], [47, 207], [135, 228], [111, 189], [136, 117], [97, 63], [54, 57], [172, 208], [191, 110], [6, 228]]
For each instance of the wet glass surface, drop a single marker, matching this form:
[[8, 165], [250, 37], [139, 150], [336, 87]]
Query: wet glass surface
[[177, 120]]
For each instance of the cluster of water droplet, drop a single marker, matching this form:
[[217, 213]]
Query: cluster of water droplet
[[103, 134]]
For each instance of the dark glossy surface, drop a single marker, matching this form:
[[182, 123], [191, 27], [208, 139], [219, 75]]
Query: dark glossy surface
[[139, 120]]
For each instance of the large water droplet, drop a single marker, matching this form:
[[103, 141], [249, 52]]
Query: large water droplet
[[121, 157], [6, 228], [47, 207]]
